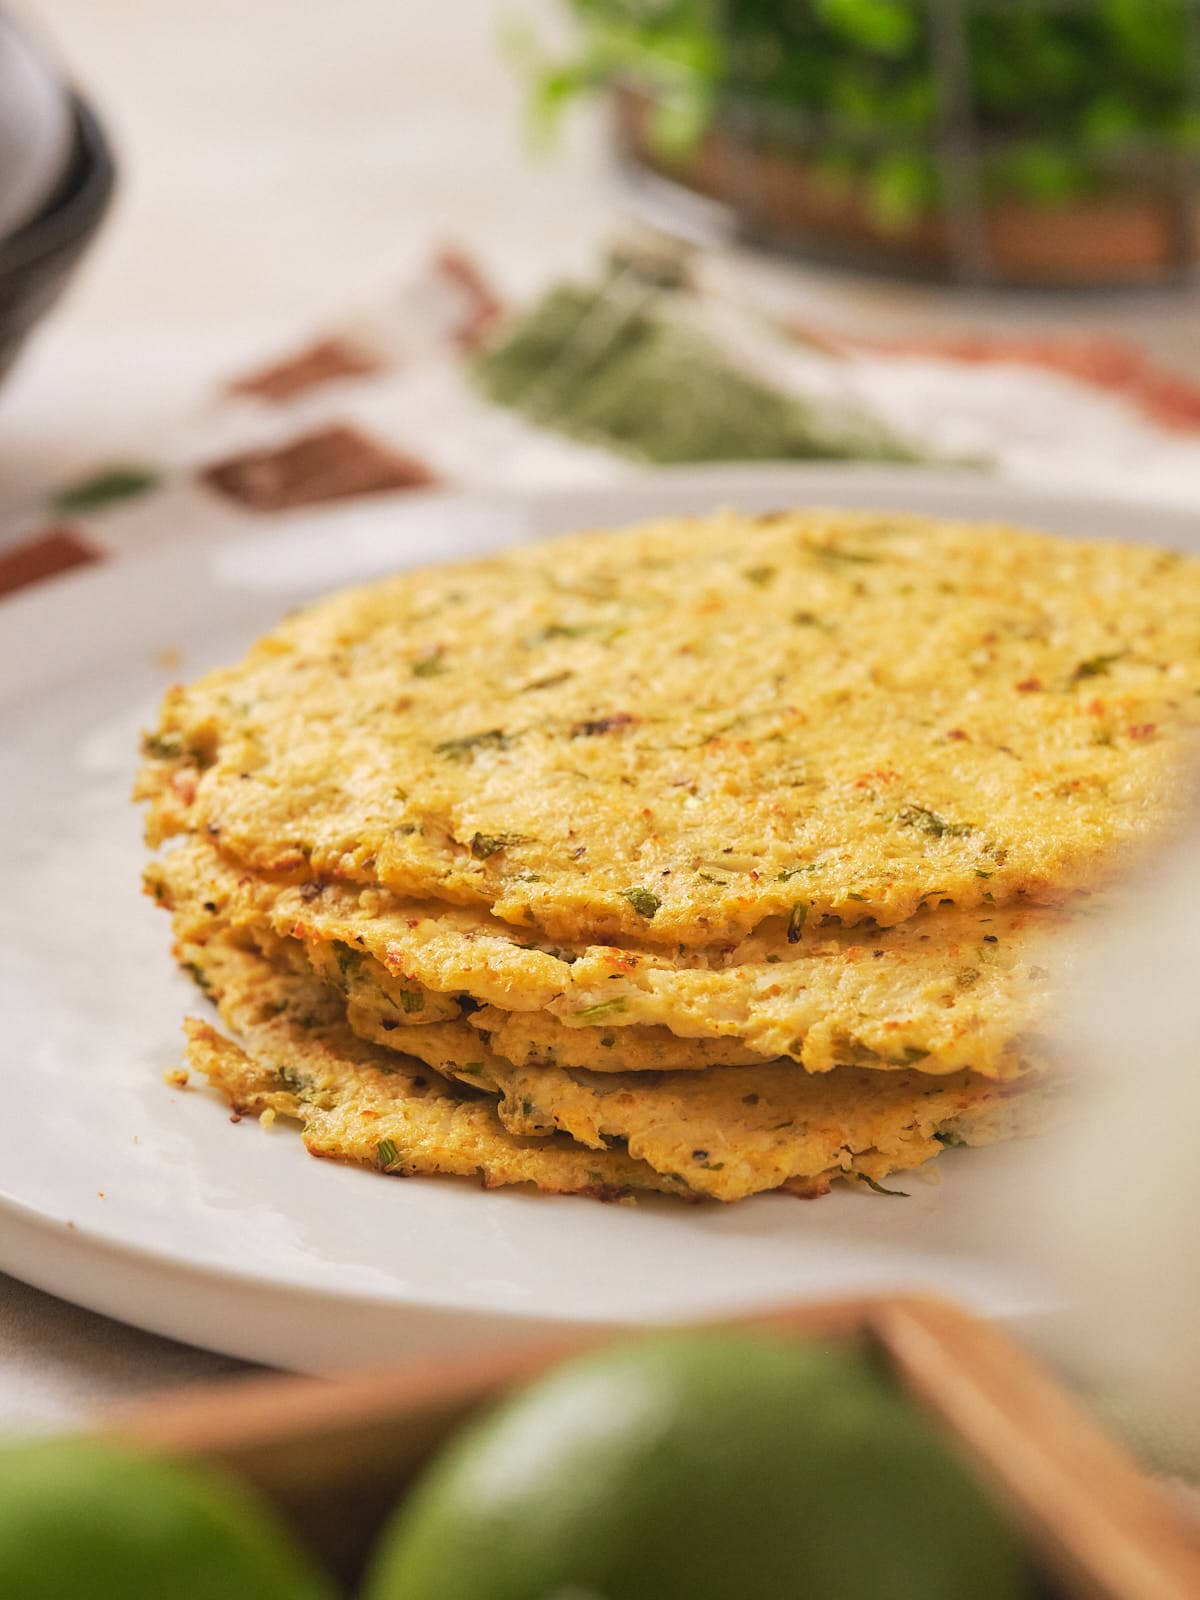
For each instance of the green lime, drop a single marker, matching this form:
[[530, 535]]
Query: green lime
[[703, 1466], [85, 1518]]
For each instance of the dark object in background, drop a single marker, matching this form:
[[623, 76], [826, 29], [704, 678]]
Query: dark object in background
[[39, 254]]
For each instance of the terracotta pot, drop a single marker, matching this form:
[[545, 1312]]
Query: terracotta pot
[[779, 197]]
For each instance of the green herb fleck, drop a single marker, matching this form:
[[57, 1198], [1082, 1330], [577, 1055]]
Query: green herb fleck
[[644, 901], [796, 921], [464, 748], [789, 873], [593, 726], [484, 845], [162, 746], [758, 575], [1095, 666], [105, 488], [348, 960], [952, 1141], [855, 558], [926, 821], [412, 1000], [602, 1009], [551, 681], [898, 1194], [387, 1153], [294, 1082], [563, 630], [430, 664], [199, 976]]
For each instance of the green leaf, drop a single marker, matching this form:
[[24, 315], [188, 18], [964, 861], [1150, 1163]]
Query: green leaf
[[885, 27], [760, 576], [930, 822], [297, 1083], [198, 975], [898, 1194], [644, 901], [1045, 173], [679, 119], [952, 1140], [602, 1009], [1095, 666], [431, 664], [464, 748], [486, 845], [838, 557], [105, 488], [162, 746], [902, 188]]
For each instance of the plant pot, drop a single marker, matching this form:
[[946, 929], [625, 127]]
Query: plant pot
[[783, 198]]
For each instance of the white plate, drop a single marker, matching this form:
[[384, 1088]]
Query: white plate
[[145, 1203]]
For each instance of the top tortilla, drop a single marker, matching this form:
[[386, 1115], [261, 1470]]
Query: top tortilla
[[673, 732]]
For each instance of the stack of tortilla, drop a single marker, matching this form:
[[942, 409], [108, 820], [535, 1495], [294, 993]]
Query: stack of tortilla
[[706, 857]]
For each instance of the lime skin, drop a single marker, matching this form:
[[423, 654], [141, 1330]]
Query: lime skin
[[701, 1466], [85, 1519]]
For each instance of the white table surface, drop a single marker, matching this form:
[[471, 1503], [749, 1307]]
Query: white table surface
[[280, 161]]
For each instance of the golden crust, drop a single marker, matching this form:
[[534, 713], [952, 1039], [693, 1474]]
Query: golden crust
[[671, 733], [731, 1131], [372, 1107], [532, 1038], [379, 1108], [950, 990]]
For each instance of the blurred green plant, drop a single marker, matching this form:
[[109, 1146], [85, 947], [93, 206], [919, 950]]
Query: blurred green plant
[[1067, 97]]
